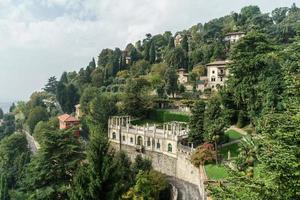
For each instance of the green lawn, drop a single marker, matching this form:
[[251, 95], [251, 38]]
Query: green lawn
[[144, 121], [233, 135], [234, 151], [216, 172]]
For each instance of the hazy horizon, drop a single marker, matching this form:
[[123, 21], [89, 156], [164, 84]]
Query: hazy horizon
[[44, 38]]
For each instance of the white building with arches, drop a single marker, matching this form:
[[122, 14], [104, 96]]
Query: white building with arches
[[161, 139]]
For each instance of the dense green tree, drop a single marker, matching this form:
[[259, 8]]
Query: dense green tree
[[177, 58], [105, 57], [97, 77], [101, 108], [249, 64], [14, 155], [61, 94], [137, 101], [51, 86], [36, 115], [49, 174], [149, 186], [152, 53], [105, 175], [141, 67], [279, 14], [171, 81], [64, 78], [196, 134], [185, 43], [88, 94], [3, 187], [141, 164], [72, 98]]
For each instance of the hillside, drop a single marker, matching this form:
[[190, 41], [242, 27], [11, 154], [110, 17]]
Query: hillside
[[232, 82]]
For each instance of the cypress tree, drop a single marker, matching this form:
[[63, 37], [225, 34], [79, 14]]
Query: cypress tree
[[171, 44], [152, 53], [197, 123], [185, 44]]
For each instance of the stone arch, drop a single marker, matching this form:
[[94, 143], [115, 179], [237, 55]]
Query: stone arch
[[139, 140]]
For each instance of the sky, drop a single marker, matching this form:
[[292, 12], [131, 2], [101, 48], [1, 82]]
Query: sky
[[43, 38]]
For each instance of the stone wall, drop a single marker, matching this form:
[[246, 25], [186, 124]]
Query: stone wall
[[178, 167]]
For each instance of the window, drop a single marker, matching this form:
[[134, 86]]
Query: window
[[158, 144], [124, 138], [169, 147], [131, 140], [213, 71], [139, 140], [213, 79], [222, 71], [148, 142], [114, 136], [221, 79]]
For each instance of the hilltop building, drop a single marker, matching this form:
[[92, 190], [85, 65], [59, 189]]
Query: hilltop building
[[67, 121], [234, 36], [217, 74]]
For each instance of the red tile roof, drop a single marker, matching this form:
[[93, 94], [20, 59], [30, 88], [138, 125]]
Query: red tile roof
[[67, 118]]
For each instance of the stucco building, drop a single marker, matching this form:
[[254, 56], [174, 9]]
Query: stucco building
[[234, 36], [217, 74], [67, 121]]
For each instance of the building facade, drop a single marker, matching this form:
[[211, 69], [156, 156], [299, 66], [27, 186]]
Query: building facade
[[162, 139], [234, 36], [161, 144], [217, 74], [67, 121]]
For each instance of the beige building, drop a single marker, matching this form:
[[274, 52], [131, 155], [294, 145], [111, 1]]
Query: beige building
[[217, 73], [182, 76], [234, 36]]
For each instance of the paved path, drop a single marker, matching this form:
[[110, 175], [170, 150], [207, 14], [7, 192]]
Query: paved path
[[32, 144], [186, 191]]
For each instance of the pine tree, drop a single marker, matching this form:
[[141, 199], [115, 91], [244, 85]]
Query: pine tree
[[51, 86]]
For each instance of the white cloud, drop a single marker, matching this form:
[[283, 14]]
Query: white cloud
[[40, 38]]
